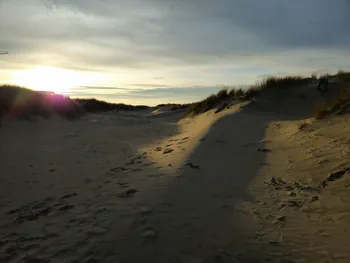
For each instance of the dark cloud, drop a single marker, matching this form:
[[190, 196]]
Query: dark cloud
[[296, 24]]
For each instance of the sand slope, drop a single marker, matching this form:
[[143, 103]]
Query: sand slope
[[301, 210], [243, 185]]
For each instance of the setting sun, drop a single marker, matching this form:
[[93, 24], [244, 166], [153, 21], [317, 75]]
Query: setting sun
[[45, 78]]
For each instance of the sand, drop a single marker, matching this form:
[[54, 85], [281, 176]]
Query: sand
[[248, 184]]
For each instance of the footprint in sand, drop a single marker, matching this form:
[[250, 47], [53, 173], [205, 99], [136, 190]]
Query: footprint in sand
[[27, 217], [128, 193], [33, 215], [148, 164], [66, 207], [155, 175], [137, 170], [66, 196], [192, 165], [30, 259], [166, 151], [263, 150], [280, 220], [335, 176], [123, 184], [95, 231], [117, 169], [35, 210], [158, 149]]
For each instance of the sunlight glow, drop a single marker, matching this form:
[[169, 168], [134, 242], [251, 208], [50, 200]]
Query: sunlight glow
[[45, 78]]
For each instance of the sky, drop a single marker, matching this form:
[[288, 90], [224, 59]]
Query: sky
[[162, 51]]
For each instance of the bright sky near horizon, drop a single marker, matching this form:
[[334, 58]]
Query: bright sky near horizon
[[155, 51]]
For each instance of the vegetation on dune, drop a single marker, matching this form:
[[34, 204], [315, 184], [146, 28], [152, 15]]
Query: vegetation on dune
[[173, 106], [19, 102], [225, 96], [343, 76], [282, 82], [94, 105], [340, 105], [24, 103], [208, 103]]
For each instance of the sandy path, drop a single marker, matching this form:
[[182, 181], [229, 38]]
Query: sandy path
[[308, 220], [193, 214], [152, 189], [50, 175], [75, 211]]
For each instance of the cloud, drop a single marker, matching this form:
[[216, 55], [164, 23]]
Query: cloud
[[177, 39], [150, 96]]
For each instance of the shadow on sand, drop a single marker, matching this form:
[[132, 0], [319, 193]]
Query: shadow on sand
[[195, 214]]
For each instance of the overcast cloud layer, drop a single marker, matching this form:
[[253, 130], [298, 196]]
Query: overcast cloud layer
[[177, 42]]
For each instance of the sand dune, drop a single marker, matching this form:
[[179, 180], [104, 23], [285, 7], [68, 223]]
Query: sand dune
[[252, 183]]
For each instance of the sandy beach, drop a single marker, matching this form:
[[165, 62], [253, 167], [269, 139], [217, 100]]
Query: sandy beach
[[260, 181]]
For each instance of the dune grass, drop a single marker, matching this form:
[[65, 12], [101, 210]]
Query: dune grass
[[173, 106], [19, 102], [225, 96], [23, 103], [209, 103], [95, 106], [340, 105]]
